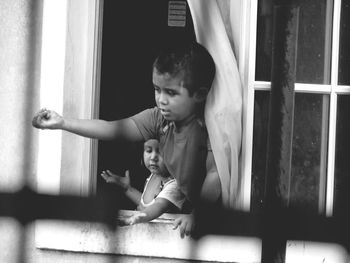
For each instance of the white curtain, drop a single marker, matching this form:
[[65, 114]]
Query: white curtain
[[215, 28]]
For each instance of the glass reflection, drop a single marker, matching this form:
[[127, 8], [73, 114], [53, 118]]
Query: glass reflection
[[344, 51], [308, 178], [342, 153], [261, 119], [309, 162], [314, 41]]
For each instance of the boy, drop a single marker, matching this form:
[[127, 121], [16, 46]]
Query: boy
[[182, 76]]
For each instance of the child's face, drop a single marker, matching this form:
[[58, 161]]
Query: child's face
[[152, 158], [173, 98]]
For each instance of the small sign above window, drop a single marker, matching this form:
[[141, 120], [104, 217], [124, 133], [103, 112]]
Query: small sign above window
[[177, 13]]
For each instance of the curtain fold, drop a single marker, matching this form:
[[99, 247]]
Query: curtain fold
[[223, 110]]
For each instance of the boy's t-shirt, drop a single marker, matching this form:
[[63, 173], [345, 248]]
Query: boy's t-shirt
[[184, 153]]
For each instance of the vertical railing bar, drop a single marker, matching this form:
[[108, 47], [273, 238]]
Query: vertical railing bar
[[280, 133]]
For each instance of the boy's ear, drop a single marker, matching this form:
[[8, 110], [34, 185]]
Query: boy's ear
[[201, 94]]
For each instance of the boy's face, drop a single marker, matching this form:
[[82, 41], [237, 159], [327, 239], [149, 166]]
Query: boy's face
[[173, 98]]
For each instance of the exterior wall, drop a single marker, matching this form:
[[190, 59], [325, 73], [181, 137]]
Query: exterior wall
[[156, 239], [20, 34]]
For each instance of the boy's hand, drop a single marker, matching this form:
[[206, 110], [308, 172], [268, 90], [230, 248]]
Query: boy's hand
[[121, 181], [47, 119], [185, 224]]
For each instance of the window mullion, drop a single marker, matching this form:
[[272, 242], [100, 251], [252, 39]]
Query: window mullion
[[331, 154], [333, 108], [299, 87], [341, 89]]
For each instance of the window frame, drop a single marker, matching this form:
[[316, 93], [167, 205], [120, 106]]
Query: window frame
[[333, 90], [71, 52]]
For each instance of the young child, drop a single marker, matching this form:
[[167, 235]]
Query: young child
[[160, 194], [182, 76]]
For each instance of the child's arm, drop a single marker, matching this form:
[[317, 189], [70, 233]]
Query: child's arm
[[210, 193], [160, 206], [211, 188], [99, 129], [123, 182]]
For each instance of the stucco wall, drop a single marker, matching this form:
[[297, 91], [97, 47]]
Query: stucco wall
[[20, 34]]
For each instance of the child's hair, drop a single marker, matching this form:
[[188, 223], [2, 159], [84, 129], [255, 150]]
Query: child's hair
[[191, 59]]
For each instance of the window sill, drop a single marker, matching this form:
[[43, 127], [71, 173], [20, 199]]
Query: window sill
[[154, 239]]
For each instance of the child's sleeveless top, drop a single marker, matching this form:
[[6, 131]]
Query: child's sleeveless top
[[169, 191]]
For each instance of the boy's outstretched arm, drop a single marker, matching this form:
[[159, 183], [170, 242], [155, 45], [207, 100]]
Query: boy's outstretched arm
[[124, 129]]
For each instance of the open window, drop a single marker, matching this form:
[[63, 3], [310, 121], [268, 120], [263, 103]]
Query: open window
[[133, 31]]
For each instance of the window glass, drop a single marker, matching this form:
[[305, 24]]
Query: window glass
[[307, 182], [344, 51], [342, 163], [314, 41], [261, 116], [309, 163]]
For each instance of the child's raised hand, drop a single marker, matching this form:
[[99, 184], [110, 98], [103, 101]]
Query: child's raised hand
[[47, 119], [121, 181]]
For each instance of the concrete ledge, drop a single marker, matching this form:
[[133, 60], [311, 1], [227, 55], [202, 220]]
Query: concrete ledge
[[154, 239]]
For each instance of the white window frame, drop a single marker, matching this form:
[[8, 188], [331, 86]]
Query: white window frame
[[71, 52]]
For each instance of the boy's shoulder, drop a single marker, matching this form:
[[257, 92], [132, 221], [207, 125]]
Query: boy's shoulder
[[149, 122]]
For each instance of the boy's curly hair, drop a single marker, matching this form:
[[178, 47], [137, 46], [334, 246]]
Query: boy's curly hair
[[190, 58]]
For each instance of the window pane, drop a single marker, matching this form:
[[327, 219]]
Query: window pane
[[261, 117], [344, 51], [307, 183], [309, 162], [342, 163], [314, 41]]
